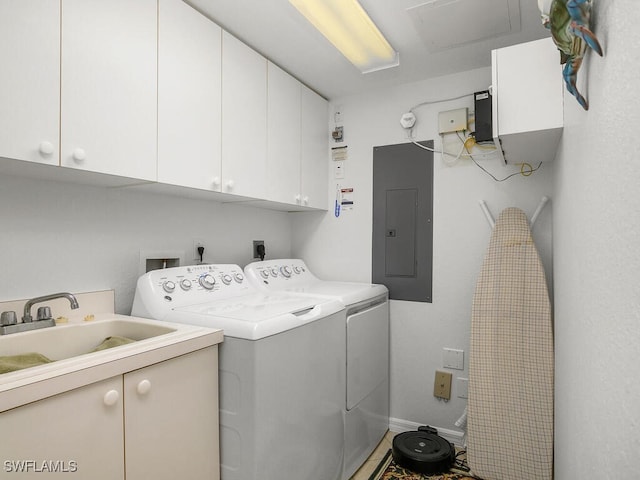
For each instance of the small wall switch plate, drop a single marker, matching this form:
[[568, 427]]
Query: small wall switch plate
[[442, 385], [462, 387], [453, 358], [452, 120], [338, 169]]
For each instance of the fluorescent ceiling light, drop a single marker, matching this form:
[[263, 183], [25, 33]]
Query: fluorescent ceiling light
[[348, 27]]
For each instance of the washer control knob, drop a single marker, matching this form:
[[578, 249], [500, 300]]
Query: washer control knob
[[185, 284], [207, 281], [286, 271], [169, 286], [297, 270], [238, 277], [264, 273], [274, 272], [226, 278]]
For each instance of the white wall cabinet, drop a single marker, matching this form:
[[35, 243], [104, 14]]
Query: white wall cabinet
[[528, 107], [170, 427], [314, 150], [109, 87], [244, 119], [189, 97], [30, 80], [283, 136]]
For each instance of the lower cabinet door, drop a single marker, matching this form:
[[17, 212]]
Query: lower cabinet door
[[171, 419], [77, 434]]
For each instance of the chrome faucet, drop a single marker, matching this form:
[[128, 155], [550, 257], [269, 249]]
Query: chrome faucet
[[26, 317]]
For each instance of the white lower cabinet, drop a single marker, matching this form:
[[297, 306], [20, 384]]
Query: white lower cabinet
[[159, 422]]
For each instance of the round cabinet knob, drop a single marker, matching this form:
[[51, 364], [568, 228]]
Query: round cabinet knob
[[230, 184], [216, 181], [298, 198], [305, 200], [207, 281], [46, 148], [169, 286], [185, 284], [286, 271], [226, 279], [264, 273], [238, 277], [79, 155], [111, 398], [143, 387]]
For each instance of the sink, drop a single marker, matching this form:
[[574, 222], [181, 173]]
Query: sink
[[71, 340]]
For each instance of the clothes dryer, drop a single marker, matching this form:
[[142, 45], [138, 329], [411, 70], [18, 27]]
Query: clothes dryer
[[281, 369], [366, 396]]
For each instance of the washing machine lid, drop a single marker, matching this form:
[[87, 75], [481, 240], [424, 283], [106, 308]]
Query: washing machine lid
[[347, 293], [256, 316]]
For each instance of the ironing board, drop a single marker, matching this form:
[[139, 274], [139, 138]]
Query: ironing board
[[510, 408]]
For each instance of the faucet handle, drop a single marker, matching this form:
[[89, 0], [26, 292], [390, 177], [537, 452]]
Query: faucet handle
[[8, 318], [44, 313]]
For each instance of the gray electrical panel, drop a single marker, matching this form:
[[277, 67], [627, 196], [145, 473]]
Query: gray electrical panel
[[403, 220]]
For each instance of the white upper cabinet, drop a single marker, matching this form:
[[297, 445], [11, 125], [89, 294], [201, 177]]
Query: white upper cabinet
[[283, 138], [315, 150], [528, 106], [189, 97], [109, 87], [244, 119], [30, 80]]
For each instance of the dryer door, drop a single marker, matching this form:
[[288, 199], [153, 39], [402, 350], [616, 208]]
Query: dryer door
[[367, 352]]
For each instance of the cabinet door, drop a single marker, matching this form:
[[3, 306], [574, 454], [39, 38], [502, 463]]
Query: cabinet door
[[30, 80], [77, 431], [109, 86], [244, 119], [315, 150], [283, 136], [171, 419], [189, 97]]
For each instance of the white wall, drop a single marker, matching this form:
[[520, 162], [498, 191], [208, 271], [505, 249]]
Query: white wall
[[65, 237], [596, 260], [340, 248]]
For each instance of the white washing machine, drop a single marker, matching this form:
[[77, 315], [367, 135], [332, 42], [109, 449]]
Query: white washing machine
[[366, 399], [281, 369]]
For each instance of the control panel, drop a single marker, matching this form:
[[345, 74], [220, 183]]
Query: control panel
[[279, 273], [188, 285]]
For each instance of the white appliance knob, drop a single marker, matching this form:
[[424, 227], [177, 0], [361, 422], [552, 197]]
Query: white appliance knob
[[79, 155], [46, 148], [238, 277], [297, 270], [305, 200], [226, 279], [207, 281], [298, 198], [111, 398], [216, 181], [264, 273], [169, 286], [143, 387], [185, 284], [230, 184], [286, 271], [274, 272]]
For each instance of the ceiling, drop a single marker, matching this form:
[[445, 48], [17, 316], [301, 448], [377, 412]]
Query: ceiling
[[433, 38]]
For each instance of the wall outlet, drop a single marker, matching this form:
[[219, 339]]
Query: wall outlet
[[442, 385], [256, 244], [453, 120], [198, 243]]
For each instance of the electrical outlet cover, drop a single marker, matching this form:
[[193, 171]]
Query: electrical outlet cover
[[452, 121]]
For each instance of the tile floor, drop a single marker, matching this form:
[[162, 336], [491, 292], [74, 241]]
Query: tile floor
[[372, 462]]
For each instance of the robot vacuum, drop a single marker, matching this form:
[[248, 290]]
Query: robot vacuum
[[423, 451]]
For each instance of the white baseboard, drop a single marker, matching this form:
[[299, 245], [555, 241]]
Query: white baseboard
[[398, 425]]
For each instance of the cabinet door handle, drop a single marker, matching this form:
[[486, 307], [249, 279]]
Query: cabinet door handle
[[46, 148], [143, 387], [111, 398], [79, 155]]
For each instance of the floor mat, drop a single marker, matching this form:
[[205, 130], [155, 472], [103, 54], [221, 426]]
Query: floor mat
[[388, 470]]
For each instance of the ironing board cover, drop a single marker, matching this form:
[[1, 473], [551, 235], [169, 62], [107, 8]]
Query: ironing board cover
[[510, 409]]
